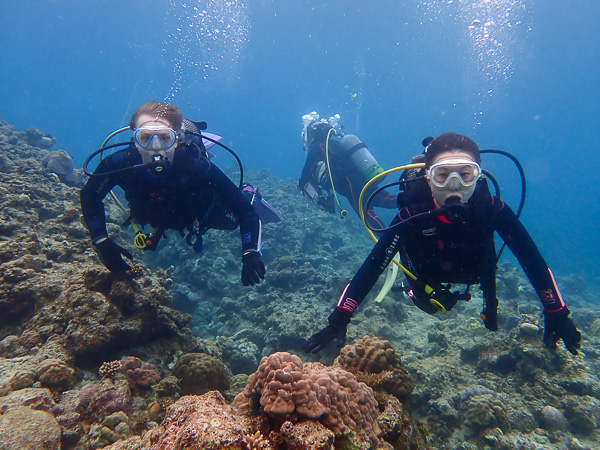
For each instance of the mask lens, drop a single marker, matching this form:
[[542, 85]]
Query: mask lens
[[143, 136], [468, 173]]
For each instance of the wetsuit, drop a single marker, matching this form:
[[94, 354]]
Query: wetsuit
[[346, 180], [194, 195], [439, 250]]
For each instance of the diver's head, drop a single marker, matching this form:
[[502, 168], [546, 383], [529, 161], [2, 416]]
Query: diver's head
[[157, 127], [452, 168], [315, 128], [307, 121]]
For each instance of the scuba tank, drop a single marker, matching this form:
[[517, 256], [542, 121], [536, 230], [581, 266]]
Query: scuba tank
[[360, 157]]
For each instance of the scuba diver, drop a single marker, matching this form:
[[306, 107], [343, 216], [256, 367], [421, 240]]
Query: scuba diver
[[444, 232], [170, 183], [338, 163]]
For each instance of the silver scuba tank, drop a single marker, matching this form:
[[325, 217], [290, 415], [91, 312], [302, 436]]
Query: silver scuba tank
[[360, 156]]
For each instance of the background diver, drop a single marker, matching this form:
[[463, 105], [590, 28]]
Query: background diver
[[338, 163], [170, 183], [444, 232]]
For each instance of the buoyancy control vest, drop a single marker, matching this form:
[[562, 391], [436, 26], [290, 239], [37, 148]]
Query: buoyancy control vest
[[415, 196]]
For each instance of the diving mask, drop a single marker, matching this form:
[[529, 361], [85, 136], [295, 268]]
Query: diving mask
[[453, 171], [156, 143], [155, 136]]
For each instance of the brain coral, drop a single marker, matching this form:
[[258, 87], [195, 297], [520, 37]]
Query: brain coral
[[485, 411], [55, 374], [288, 390], [199, 373], [372, 356]]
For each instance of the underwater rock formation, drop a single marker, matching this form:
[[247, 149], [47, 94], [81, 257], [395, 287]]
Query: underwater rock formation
[[24, 428], [61, 164], [38, 138]]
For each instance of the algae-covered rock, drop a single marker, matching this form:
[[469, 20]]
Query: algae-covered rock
[[61, 164], [26, 428], [38, 138]]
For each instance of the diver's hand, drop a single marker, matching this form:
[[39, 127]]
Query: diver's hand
[[338, 324], [253, 269], [111, 255], [557, 325], [490, 319]]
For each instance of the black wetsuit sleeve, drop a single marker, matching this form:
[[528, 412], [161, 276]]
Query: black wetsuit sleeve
[[512, 231], [250, 226], [314, 153], [363, 281], [95, 190]]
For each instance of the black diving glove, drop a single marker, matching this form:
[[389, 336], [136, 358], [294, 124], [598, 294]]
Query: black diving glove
[[253, 269], [110, 255], [490, 319], [338, 323], [557, 325]]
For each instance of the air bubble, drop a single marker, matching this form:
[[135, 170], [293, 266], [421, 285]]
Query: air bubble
[[210, 39]]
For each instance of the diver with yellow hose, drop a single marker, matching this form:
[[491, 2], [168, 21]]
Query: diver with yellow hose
[[338, 164], [444, 232]]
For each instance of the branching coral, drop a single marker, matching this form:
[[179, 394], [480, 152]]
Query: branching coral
[[110, 369], [256, 441]]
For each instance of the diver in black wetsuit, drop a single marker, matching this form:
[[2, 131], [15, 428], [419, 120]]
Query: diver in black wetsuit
[[172, 186], [444, 232], [351, 164]]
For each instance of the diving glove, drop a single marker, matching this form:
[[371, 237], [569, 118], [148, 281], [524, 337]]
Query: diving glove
[[111, 255], [253, 269], [557, 325], [338, 324]]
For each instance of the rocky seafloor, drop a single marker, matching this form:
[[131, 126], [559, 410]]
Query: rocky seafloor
[[179, 354]]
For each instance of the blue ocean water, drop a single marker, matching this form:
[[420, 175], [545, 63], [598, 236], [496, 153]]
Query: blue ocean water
[[517, 75]]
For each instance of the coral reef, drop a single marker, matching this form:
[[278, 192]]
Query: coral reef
[[63, 316], [397, 425], [303, 435], [199, 373], [288, 390], [55, 374], [374, 361], [62, 313], [201, 422], [138, 373]]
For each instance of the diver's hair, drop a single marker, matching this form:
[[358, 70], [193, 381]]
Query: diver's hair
[[448, 142], [318, 130], [159, 110]]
